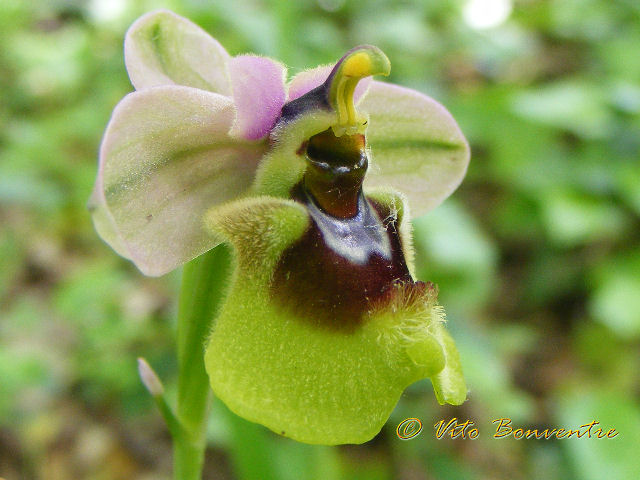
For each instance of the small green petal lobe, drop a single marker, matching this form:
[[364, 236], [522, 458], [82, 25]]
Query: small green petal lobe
[[449, 385], [416, 145], [426, 352], [162, 48], [259, 228]]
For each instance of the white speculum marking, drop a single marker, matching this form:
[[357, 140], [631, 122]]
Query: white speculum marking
[[356, 238]]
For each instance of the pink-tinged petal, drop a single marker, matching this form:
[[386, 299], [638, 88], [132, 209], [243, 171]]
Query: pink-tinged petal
[[417, 147], [306, 81], [165, 160], [258, 93], [162, 48]]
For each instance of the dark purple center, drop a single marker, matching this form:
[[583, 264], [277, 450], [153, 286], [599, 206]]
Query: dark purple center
[[351, 255]]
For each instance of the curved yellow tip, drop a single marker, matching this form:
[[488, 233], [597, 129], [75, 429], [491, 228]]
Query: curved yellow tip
[[358, 63]]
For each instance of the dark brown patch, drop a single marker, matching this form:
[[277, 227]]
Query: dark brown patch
[[336, 167], [329, 290]]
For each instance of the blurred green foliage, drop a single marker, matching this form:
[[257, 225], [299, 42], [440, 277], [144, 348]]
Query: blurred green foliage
[[537, 254]]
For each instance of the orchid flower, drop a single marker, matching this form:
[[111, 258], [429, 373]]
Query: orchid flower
[[323, 325]]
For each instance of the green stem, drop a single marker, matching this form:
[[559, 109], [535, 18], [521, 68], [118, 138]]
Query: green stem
[[203, 283]]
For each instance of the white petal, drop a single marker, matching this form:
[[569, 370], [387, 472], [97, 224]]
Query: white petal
[[416, 145], [165, 159], [162, 48]]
